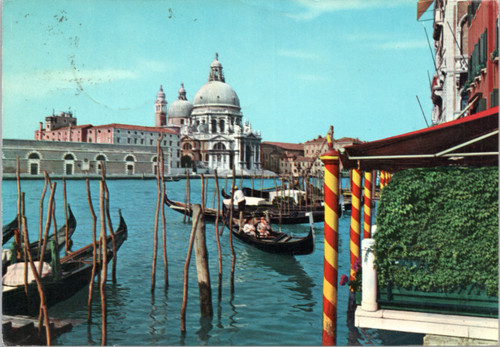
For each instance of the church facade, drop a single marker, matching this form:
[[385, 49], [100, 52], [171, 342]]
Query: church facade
[[213, 133]]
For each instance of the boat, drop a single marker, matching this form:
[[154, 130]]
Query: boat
[[290, 216], [186, 209], [35, 246], [276, 242], [121, 234], [9, 230], [261, 204], [75, 274]]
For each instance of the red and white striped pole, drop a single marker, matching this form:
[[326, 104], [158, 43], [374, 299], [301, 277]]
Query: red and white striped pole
[[355, 219], [367, 206], [331, 161]]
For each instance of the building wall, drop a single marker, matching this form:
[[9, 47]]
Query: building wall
[[76, 158], [483, 67]]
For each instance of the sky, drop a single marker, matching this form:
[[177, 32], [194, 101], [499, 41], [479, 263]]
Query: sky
[[297, 66]]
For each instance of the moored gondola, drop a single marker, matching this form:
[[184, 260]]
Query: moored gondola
[[286, 214], [275, 216], [210, 214], [74, 274], [277, 242], [35, 246], [8, 230]]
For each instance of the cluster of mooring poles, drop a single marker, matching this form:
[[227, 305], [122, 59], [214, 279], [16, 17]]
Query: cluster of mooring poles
[[22, 249], [331, 189]]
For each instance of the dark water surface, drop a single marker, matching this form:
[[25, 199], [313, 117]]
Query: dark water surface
[[277, 299]]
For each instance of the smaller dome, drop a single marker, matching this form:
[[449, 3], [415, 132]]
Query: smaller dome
[[181, 107]]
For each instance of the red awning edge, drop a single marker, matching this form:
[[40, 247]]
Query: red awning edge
[[468, 141]]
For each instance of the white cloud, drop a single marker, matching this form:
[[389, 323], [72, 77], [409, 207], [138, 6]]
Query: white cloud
[[315, 8], [410, 44], [43, 82], [297, 54]]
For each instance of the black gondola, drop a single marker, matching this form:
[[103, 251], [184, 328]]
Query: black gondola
[[210, 213], [35, 246], [8, 230], [292, 214], [75, 274], [277, 242]]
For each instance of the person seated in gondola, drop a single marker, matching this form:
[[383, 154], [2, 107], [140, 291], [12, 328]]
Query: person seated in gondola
[[249, 228], [263, 228]]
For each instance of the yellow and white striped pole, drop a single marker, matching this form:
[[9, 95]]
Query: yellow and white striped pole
[[330, 272], [367, 209]]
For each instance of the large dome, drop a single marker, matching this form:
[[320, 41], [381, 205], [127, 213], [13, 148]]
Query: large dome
[[216, 92]]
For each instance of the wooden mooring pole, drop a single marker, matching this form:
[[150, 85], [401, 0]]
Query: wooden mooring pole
[[104, 264], [155, 229], [330, 272], [94, 253], [110, 224], [41, 291], [219, 291], [201, 254], [186, 271]]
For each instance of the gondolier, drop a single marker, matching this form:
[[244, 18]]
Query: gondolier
[[239, 201]]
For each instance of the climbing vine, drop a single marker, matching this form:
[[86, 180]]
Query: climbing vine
[[437, 230]]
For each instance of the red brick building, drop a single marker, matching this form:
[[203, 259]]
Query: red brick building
[[483, 55]]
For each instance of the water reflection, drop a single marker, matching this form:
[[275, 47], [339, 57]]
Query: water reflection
[[296, 278]]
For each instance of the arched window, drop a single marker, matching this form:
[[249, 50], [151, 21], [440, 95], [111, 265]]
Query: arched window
[[69, 163], [34, 163], [155, 164], [219, 146], [187, 146], [129, 165], [99, 158], [214, 125], [221, 125]]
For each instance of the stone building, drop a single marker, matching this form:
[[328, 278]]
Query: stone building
[[213, 132], [465, 37], [78, 159], [276, 156], [64, 128], [299, 159]]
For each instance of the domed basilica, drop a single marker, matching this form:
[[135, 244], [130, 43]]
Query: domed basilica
[[213, 132]]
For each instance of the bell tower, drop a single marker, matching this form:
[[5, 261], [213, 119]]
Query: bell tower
[[160, 109]]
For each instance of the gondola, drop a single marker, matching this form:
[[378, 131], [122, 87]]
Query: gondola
[[75, 274], [289, 214], [61, 242], [8, 230], [277, 242], [121, 234], [210, 213]]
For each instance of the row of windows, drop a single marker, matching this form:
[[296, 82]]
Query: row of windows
[[152, 142]]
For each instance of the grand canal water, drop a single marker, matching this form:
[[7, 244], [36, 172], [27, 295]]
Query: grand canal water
[[277, 299]]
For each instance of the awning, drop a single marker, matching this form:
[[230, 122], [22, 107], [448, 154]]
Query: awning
[[422, 6], [468, 141]]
